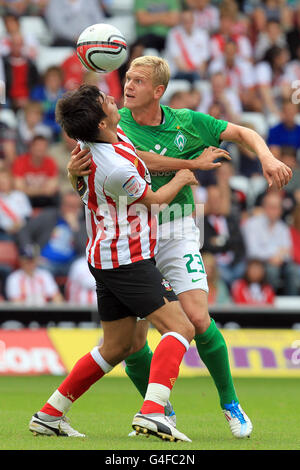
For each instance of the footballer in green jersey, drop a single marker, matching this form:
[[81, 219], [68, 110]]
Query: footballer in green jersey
[[183, 134]]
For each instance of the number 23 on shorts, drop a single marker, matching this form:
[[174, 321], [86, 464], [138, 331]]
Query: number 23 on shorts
[[194, 264]]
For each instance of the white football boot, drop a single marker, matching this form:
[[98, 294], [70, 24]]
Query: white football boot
[[57, 427], [237, 419], [170, 415], [158, 425]]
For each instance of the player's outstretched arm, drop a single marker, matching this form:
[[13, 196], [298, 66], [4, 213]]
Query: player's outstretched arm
[[205, 161], [274, 170], [165, 194]]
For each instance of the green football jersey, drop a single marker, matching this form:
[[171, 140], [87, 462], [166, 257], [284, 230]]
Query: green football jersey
[[183, 134]]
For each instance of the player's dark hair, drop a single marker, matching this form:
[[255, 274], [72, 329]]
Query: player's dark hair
[[79, 113]]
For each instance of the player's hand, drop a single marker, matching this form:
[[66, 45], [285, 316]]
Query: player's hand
[[187, 177], [79, 163], [206, 161], [276, 172]]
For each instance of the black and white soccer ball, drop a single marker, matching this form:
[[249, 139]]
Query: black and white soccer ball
[[101, 48]]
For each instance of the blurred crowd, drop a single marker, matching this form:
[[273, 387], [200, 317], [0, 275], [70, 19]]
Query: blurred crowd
[[238, 60]]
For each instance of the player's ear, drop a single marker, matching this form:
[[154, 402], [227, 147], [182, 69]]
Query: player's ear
[[102, 125], [159, 91]]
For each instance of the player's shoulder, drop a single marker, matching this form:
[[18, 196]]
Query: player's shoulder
[[184, 115]]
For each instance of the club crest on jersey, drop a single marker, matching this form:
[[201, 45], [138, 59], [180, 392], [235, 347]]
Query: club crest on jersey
[[132, 186], [180, 141], [166, 284]]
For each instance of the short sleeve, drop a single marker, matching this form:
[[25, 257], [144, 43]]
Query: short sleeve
[[209, 128], [127, 182]]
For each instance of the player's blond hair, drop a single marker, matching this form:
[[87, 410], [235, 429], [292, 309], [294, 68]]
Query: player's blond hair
[[160, 68]]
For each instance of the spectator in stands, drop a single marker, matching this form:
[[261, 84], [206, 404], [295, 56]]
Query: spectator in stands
[[239, 75], [227, 98], [13, 26], [267, 238], [225, 33], [287, 131], [295, 236], [233, 196], [48, 94], [218, 291], [179, 100], [206, 16], [21, 74], [154, 19], [293, 35], [67, 19], [273, 35], [109, 83], [31, 285], [80, 286], [59, 232], [17, 7], [36, 174], [276, 10], [8, 149], [30, 124], [253, 288], [289, 157], [73, 72], [15, 207], [60, 151], [271, 79], [187, 49], [288, 201], [223, 238]]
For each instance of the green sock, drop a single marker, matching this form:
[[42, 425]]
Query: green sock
[[138, 368], [213, 351]]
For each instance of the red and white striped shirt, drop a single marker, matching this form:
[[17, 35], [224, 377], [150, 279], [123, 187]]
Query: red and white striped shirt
[[37, 289], [80, 286], [119, 230]]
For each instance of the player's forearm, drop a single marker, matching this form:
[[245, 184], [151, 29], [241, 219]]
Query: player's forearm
[[254, 142], [156, 162], [164, 195]]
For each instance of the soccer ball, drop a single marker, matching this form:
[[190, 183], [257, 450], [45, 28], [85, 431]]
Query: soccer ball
[[101, 48]]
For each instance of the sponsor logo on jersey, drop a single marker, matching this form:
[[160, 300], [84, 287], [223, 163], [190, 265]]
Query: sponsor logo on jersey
[[180, 141], [132, 186]]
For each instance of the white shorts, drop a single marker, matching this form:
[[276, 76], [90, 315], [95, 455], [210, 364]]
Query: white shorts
[[178, 257]]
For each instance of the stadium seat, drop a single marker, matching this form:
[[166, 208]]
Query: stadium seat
[[8, 117], [121, 6], [175, 85], [48, 56], [36, 26], [126, 24], [151, 51], [257, 120], [2, 28], [203, 86]]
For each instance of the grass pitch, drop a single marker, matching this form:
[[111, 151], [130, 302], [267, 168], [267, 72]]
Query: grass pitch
[[105, 413]]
